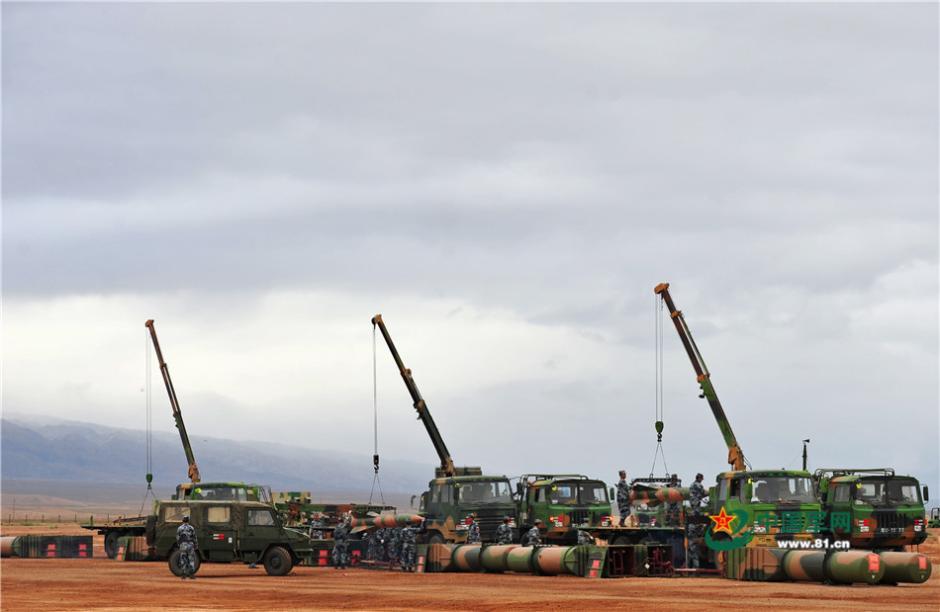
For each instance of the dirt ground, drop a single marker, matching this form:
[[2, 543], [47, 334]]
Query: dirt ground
[[100, 583]]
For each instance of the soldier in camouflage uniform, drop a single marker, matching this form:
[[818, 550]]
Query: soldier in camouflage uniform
[[695, 529], [315, 527], [341, 545], [409, 536], [186, 540], [473, 530], [393, 545], [533, 537], [504, 531], [673, 509], [623, 497]]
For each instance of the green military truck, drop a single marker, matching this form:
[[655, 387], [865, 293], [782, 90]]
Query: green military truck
[[564, 503], [873, 508], [229, 531], [451, 499]]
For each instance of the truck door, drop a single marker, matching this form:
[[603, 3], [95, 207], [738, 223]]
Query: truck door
[[261, 529], [218, 533]]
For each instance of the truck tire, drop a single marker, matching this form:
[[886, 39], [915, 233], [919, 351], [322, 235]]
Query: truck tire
[[174, 563], [277, 561], [435, 538], [111, 543]]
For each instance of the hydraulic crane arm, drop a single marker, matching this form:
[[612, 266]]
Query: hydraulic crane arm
[[735, 454], [447, 463], [174, 403]]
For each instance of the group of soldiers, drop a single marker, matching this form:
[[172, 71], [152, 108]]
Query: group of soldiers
[[695, 518], [396, 545]]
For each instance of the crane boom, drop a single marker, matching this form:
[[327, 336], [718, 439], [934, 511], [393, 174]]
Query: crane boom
[[174, 403], [735, 454], [447, 463]]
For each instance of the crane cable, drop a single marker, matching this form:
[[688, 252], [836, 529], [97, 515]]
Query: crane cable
[[375, 426], [658, 358], [148, 371]]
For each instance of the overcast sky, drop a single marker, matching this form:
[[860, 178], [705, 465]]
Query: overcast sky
[[506, 184]]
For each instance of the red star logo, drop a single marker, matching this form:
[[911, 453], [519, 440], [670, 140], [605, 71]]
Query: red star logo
[[723, 521]]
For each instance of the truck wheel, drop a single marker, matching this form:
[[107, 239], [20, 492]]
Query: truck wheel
[[435, 538], [174, 563], [277, 561], [111, 543], [620, 540]]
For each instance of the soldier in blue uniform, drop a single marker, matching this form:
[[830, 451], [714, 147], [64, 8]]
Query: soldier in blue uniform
[[341, 545], [504, 531], [623, 497], [473, 530], [186, 540], [533, 537], [695, 529], [409, 536], [584, 538]]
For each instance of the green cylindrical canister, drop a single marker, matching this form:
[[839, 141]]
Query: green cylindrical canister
[[493, 558], [805, 565], [520, 559], [466, 558], [854, 566], [905, 567], [554, 560]]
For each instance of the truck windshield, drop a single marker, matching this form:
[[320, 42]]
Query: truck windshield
[[775, 489], [223, 493], [496, 491], [872, 491], [563, 493], [593, 493]]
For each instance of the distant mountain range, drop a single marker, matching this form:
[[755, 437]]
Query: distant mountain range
[[55, 450]]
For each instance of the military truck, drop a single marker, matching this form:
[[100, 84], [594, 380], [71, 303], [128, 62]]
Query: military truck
[[455, 492], [564, 503], [873, 508], [229, 531]]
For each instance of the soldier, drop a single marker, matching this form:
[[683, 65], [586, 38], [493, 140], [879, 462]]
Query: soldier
[[408, 548], [186, 540], [394, 545], [694, 526], [315, 526], [673, 508], [623, 497], [341, 545], [504, 531], [533, 537], [473, 529], [584, 538]]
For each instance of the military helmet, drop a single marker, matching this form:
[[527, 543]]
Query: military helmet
[[185, 518]]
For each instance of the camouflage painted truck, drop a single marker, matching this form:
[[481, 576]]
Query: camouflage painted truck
[[567, 503], [873, 509], [455, 492]]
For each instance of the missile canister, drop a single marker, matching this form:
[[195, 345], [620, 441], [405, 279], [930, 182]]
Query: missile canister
[[805, 565], [905, 567], [520, 559], [6, 546], [493, 558], [554, 560], [662, 495], [466, 558], [854, 566], [386, 520]]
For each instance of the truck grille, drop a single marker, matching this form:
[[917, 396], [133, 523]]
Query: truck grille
[[579, 517], [489, 520], [888, 522]]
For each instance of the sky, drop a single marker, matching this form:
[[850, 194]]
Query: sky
[[506, 185]]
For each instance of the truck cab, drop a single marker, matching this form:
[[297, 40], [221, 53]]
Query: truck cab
[[564, 502], [874, 509], [769, 505], [449, 500], [228, 531]]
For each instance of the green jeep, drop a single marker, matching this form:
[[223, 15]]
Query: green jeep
[[227, 531]]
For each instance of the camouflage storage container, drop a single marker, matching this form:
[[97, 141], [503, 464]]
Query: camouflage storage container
[[43, 547]]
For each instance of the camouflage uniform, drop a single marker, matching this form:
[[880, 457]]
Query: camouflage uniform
[[186, 539], [315, 529], [623, 500], [694, 528], [504, 534], [341, 546], [408, 548], [584, 538], [393, 544], [533, 537], [473, 533]]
